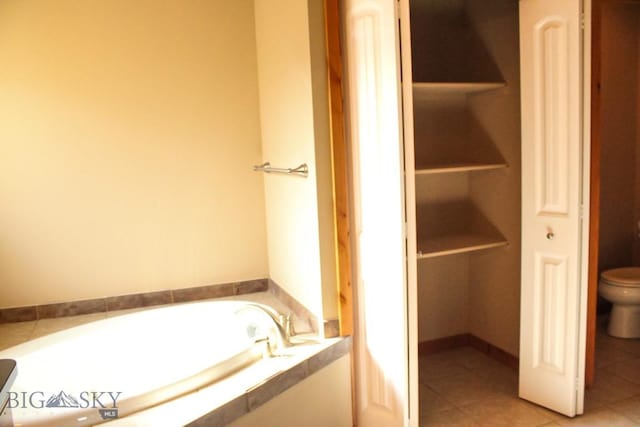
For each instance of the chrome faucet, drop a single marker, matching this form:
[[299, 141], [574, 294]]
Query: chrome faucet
[[283, 323]]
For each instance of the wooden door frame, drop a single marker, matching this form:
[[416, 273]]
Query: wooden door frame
[[594, 207], [594, 197], [339, 163]]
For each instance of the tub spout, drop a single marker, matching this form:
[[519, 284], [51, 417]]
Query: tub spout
[[283, 323]]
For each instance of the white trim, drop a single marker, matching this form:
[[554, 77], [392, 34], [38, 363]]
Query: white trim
[[585, 202], [410, 214]]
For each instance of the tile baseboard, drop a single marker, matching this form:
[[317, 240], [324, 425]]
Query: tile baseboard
[[494, 352], [442, 344], [462, 340]]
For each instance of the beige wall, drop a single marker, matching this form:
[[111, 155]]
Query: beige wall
[[619, 108], [127, 134], [494, 276], [293, 111], [443, 297], [443, 291]]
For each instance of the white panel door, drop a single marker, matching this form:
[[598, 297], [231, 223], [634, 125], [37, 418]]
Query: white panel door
[[552, 147], [380, 339]]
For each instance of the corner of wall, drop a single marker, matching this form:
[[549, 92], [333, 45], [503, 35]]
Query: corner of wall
[[324, 167], [295, 129]]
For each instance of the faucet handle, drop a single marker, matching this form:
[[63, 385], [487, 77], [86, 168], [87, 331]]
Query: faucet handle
[[287, 323], [268, 350]]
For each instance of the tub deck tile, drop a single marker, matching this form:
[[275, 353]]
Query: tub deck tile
[[75, 308], [251, 286], [204, 292], [331, 354], [275, 385], [226, 414], [18, 314], [126, 302], [138, 300]]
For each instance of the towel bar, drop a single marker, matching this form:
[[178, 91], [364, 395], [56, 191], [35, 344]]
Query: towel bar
[[302, 170]]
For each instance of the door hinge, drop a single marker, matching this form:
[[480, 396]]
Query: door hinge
[[582, 20], [581, 211], [404, 230], [398, 9]]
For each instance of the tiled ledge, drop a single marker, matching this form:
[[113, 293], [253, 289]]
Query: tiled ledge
[[123, 302], [272, 387], [150, 299], [242, 392]]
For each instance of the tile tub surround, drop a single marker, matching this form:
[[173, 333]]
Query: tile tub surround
[[304, 320], [226, 400], [8, 374], [124, 302], [286, 372], [297, 309], [223, 401], [16, 333]]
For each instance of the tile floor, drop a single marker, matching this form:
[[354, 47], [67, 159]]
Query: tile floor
[[463, 387]]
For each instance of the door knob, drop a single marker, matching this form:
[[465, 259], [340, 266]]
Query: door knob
[[550, 235]]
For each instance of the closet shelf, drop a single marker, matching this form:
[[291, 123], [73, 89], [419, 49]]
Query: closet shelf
[[457, 167], [457, 244], [453, 88]]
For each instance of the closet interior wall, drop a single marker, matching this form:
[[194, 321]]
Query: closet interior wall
[[467, 148]]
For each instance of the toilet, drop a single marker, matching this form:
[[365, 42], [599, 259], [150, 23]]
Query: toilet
[[621, 287]]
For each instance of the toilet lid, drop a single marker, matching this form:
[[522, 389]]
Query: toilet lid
[[628, 276]]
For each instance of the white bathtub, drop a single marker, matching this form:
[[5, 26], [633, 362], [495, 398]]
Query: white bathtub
[[136, 361]]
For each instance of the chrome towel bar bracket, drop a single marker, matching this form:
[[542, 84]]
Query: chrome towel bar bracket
[[302, 170]]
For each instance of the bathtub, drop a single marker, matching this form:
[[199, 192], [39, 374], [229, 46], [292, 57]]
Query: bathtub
[[115, 367]]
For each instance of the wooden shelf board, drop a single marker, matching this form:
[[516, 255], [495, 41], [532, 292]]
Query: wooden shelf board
[[455, 87], [457, 244], [458, 167]]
